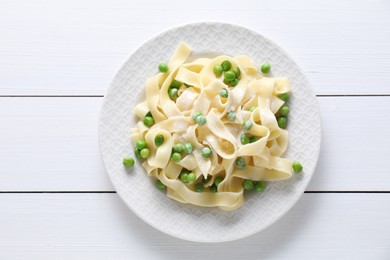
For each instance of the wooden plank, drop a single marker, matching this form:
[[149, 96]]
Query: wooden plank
[[99, 226], [73, 47], [52, 144], [354, 145]]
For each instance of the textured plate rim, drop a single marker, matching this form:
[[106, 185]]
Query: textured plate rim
[[112, 86]]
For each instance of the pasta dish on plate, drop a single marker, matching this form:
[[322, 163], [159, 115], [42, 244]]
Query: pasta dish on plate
[[211, 128]]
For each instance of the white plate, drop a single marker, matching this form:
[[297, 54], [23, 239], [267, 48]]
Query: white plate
[[138, 191]]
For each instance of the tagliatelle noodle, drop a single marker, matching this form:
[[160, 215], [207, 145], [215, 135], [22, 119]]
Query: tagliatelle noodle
[[200, 94]]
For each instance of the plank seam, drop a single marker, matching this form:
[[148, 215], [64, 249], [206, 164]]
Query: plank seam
[[50, 96]]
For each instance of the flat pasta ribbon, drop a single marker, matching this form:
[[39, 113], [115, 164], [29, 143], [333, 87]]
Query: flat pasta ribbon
[[250, 100]]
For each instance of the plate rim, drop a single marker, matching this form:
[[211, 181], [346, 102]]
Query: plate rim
[[112, 86]]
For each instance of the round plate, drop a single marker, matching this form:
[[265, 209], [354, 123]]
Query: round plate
[[138, 191]]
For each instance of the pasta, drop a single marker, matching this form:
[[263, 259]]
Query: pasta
[[206, 139]]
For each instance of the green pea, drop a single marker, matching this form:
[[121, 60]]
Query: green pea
[[265, 68], [237, 71], [282, 122], [206, 152], [252, 109], [248, 185], [128, 162], [247, 125], [178, 148], [213, 188], [173, 93], [187, 85], [184, 177], [229, 76], [140, 144], [226, 81], [260, 186], [224, 93], [226, 65], [231, 116], [240, 163], [176, 157], [244, 139], [201, 120], [218, 180], [175, 84], [284, 110], [218, 70], [159, 140], [195, 115], [297, 167], [234, 82], [188, 148], [148, 121], [149, 114], [199, 187], [191, 177], [253, 139], [144, 153], [284, 96], [162, 67], [160, 185], [137, 153]]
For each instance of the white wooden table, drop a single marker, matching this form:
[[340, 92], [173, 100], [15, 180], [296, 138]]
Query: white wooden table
[[57, 59]]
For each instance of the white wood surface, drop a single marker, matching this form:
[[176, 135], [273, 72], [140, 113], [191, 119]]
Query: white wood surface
[[74, 48], [99, 226], [57, 138]]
